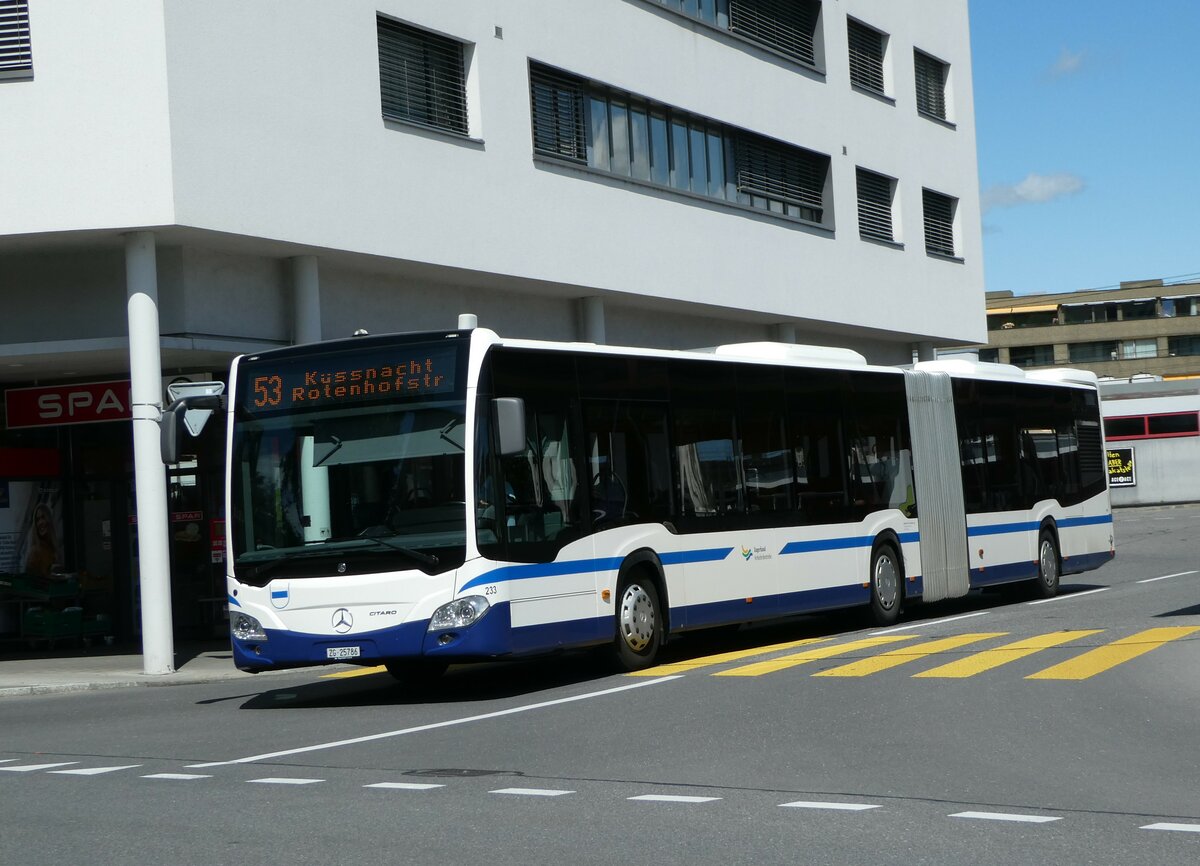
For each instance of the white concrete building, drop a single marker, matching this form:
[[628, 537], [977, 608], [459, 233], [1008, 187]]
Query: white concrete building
[[670, 173]]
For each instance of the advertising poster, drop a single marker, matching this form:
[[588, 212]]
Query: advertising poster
[[31, 528], [1121, 471]]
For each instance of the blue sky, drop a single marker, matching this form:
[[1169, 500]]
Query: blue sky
[[1087, 115]]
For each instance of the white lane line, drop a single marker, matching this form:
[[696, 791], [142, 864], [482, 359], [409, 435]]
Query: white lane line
[[177, 777], [1070, 596], [9, 760], [94, 771], [1005, 816], [670, 798], [1178, 828], [838, 807], [33, 768], [435, 725], [1166, 576], [404, 786], [531, 792], [929, 622], [280, 780]]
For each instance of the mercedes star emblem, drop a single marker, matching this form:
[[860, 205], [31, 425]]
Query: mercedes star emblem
[[342, 620]]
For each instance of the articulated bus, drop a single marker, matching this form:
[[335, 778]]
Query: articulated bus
[[414, 500]]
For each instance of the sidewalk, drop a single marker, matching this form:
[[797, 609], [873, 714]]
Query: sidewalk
[[197, 663]]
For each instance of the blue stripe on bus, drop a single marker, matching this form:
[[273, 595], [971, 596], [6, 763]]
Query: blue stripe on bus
[[840, 543], [234, 601], [1032, 526], [583, 566], [1086, 521]]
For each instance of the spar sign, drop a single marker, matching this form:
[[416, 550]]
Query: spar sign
[[55, 405]]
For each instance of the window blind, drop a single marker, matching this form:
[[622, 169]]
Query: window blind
[[16, 54], [866, 55], [874, 206], [421, 77]]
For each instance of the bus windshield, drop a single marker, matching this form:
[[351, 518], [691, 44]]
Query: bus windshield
[[336, 480]]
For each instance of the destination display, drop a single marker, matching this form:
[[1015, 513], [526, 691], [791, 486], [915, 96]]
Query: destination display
[[397, 373]]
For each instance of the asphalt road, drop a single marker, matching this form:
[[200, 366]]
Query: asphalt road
[[988, 730]]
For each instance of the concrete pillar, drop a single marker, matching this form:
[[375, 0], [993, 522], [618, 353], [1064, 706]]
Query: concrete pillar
[[306, 300], [925, 351], [593, 320], [785, 332], [145, 374]]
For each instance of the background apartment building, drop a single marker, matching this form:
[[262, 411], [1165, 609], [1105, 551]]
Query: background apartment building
[[1143, 327], [671, 173]]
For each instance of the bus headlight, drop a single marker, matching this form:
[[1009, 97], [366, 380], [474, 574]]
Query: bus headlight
[[246, 627], [459, 613]]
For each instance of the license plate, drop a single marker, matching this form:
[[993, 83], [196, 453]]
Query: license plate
[[343, 652]]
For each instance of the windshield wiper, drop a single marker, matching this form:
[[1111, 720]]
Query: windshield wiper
[[385, 540], [379, 543], [426, 558], [271, 565]]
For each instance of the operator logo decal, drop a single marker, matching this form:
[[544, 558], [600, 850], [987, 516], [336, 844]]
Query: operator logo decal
[[758, 553], [342, 620], [281, 594]]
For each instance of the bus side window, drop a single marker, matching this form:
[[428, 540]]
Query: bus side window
[[814, 429], [627, 465], [707, 465]]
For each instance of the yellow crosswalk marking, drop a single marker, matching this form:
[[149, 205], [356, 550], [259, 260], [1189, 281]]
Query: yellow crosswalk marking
[[1110, 655], [904, 655], [687, 665], [783, 662], [1002, 655], [357, 672]]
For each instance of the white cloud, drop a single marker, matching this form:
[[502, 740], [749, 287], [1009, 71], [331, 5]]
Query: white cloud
[[1068, 63], [1034, 189]]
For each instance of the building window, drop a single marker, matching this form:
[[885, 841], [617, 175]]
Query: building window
[[1182, 346], [1031, 356], [867, 47], [1141, 309], [787, 26], [1104, 350], [1088, 313], [1180, 306], [989, 356], [1162, 426], [422, 77], [931, 77], [16, 54], [556, 102], [939, 223], [624, 134], [875, 195], [1131, 349]]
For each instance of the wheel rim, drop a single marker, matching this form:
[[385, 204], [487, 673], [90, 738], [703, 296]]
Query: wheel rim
[[1048, 562], [637, 618], [887, 582]]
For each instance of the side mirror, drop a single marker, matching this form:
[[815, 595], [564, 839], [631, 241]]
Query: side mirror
[[170, 428], [510, 424]]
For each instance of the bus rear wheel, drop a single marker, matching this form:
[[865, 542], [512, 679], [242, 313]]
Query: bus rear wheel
[[1046, 583], [416, 673], [639, 624], [886, 584]]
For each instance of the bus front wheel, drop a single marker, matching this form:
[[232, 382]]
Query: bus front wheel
[[639, 624], [1046, 584], [886, 588]]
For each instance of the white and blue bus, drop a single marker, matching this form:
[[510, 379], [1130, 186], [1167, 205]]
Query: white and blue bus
[[414, 500]]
